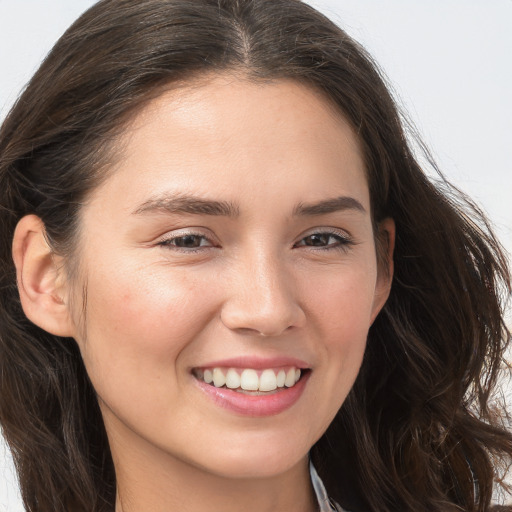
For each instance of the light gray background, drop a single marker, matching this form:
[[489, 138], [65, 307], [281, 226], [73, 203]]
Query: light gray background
[[449, 62]]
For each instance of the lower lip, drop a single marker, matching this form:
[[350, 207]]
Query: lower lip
[[255, 405]]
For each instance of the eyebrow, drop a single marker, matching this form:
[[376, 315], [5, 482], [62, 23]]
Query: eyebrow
[[188, 204], [194, 205], [328, 206]]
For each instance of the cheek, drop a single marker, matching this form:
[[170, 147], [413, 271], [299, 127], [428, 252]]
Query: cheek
[[137, 323], [341, 312], [342, 302]]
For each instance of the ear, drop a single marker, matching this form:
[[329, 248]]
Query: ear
[[41, 278], [385, 247]]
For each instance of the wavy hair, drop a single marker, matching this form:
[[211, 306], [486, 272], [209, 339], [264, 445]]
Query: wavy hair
[[420, 429]]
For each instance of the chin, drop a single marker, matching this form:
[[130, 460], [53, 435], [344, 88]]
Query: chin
[[255, 460]]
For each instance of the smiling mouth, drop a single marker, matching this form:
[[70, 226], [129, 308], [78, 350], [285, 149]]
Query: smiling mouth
[[250, 381]]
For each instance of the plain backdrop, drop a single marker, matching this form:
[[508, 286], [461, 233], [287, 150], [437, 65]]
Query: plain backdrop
[[449, 63]]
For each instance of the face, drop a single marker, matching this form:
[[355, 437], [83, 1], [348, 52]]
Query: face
[[232, 241]]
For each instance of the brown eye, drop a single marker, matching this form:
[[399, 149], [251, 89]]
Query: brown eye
[[324, 240], [188, 241], [319, 240]]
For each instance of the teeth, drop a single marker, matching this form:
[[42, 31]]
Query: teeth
[[232, 379], [218, 378], [268, 380], [249, 380], [208, 376], [290, 378]]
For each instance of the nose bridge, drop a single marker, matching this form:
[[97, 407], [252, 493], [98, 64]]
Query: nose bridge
[[262, 297], [267, 273]]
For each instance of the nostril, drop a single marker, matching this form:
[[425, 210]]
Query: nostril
[[261, 334], [265, 322], [261, 300]]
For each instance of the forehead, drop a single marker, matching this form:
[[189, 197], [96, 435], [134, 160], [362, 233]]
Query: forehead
[[229, 102], [227, 133]]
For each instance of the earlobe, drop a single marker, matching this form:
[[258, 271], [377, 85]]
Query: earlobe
[[385, 266], [41, 279]]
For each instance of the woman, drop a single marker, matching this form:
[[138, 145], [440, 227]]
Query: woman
[[230, 285]]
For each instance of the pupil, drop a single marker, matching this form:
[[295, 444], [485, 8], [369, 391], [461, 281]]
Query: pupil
[[189, 241], [317, 240]]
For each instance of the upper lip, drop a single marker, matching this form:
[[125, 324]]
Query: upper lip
[[257, 363]]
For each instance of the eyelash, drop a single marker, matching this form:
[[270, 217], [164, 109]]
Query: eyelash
[[170, 242], [343, 241]]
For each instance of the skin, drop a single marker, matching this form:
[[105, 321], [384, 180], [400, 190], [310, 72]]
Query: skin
[[256, 286]]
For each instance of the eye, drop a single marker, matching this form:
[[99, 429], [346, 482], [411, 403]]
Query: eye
[[186, 242], [326, 240]]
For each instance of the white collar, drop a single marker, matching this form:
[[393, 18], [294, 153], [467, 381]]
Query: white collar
[[325, 503]]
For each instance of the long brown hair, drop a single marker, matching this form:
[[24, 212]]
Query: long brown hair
[[419, 430]]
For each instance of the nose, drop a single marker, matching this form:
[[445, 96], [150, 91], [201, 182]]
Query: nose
[[262, 298]]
